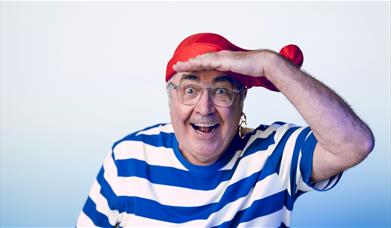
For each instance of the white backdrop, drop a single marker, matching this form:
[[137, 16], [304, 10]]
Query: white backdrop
[[75, 77]]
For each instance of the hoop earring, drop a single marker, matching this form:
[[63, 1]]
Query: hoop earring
[[242, 125]]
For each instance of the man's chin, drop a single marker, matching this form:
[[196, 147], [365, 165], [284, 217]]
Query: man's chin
[[208, 153]]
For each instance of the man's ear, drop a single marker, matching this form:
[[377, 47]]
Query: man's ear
[[244, 93], [243, 97]]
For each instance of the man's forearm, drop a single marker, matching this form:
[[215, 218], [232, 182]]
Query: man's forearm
[[336, 127]]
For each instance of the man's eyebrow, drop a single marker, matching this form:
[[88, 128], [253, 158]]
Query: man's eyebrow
[[224, 78], [190, 76]]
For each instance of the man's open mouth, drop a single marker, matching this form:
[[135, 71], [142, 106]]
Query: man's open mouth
[[204, 127]]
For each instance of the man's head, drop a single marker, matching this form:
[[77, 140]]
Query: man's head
[[205, 109]]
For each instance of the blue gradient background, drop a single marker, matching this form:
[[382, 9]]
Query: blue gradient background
[[75, 77]]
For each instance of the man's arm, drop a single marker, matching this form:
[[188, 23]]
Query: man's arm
[[344, 140]]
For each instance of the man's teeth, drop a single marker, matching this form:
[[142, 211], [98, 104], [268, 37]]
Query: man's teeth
[[205, 124], [205, 127]]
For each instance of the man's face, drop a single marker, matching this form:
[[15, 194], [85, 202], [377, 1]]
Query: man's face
[[204, 130]]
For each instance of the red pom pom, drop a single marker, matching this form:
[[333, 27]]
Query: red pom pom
[[293, 54]]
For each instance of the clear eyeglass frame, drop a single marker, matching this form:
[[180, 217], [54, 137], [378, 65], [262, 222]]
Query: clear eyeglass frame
[[198, 97]]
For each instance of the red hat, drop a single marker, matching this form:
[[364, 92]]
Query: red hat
[[201, 43]]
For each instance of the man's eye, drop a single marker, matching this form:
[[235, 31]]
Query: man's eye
[[221, 91], [189, 90]]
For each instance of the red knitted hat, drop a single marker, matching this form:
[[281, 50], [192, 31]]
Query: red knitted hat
[[201, 43]]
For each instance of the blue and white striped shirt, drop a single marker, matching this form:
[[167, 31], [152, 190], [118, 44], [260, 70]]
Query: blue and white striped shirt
[[146, 181]]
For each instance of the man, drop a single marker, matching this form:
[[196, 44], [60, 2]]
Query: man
[[206, 168]]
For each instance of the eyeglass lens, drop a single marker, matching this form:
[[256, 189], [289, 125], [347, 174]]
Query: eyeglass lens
[[222, 93]]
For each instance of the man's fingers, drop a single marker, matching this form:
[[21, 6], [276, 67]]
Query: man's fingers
[[185, 66], [208, 61]]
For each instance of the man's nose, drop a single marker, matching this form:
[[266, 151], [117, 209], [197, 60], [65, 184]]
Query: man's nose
[[205, 105]]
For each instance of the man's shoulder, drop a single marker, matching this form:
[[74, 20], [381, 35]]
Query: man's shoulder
[[155, 134], [275, 126], [151, 145], [277, 130], [155, 129]]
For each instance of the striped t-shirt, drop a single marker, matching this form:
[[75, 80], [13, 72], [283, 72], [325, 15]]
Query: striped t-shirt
[[146, 181]]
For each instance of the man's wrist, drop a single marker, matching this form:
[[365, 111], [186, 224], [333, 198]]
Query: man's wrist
[[270, 61]]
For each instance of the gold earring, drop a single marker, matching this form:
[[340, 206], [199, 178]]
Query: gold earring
[[242, 125]]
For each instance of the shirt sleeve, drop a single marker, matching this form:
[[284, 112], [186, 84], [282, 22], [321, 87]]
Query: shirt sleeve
[[100, 209], [296, 161], [304, 169]]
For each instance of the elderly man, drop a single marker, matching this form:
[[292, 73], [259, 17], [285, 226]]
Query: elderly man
[[206, 168]]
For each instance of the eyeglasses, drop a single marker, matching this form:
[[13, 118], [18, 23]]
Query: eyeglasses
[[190, 94]]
